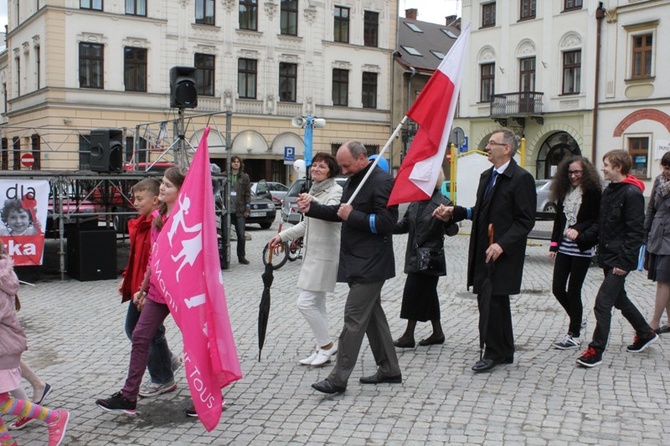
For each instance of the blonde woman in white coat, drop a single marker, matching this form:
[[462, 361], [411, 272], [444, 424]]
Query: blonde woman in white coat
[[320, 257]]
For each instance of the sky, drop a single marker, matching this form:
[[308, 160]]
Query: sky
[[433, 11], [3, 14]]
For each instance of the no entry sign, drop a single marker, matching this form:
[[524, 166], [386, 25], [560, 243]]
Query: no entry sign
[[27, 159]]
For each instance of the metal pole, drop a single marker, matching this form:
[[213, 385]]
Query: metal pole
[[229, 157]]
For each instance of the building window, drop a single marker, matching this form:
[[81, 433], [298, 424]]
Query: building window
[[38, 66], [84, 152], [642, 54], [91, 4], [572, 4], [135, 69], [638, 147], [16, 145], [204, 76], [572, 71], [204, 12], [369, 90], [246, 78], [341, 28], [371, 29], [288, 22], [488, 78], [249, 14], [17, 62], [340, 87], [488, 15], [91, 61], [527, 8], [136, 7], [288, 76]]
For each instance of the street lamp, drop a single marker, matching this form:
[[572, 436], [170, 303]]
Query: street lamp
[[308, 123]]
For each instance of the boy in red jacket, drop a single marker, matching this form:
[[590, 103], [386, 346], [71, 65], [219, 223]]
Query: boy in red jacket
[[162, 363]]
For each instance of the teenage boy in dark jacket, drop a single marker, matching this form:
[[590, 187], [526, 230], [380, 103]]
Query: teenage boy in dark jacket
[[620, 233]]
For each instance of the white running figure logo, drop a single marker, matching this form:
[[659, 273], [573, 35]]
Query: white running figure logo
[[190, 247]]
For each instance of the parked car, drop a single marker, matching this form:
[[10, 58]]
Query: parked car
[[546, 208], [263, 211], [270, 189]]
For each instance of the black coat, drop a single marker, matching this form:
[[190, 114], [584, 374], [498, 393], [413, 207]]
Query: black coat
[[587, 216], [620, 229], [511, 208], [366, 246], [425, 231]]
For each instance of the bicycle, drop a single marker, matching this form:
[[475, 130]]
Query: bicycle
[[290, 250]]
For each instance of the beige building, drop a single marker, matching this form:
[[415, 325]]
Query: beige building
[[75, 65]]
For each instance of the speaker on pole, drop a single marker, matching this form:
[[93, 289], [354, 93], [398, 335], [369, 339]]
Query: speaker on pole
[[183, 91], [106, 150]]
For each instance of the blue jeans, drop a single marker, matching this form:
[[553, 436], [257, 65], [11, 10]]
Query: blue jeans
[[238, 221], [160, 356], [612, 293]]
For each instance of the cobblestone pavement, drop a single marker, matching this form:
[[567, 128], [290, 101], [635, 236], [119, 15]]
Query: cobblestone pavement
[[78, 344]]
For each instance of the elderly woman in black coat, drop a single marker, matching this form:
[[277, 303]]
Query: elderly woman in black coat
[[424, 264]]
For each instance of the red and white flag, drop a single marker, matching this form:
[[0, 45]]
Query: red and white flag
[[434, 112], [185, 264]]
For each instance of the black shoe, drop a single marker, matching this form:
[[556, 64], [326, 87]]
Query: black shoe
[[190, 412], [326, 386], [639, 344], [404, 343], [243, 261], [662, 329], [484, 365], [432, 340], [378, 378], [117, 402], [590, 358]]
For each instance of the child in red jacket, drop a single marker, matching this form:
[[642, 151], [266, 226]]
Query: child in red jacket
[[162, 362]]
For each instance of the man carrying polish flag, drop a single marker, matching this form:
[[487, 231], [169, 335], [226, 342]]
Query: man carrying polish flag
[[434, 112], [187, 268]]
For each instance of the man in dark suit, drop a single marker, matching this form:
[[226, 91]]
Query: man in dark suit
[[506, 198], [366, 261]]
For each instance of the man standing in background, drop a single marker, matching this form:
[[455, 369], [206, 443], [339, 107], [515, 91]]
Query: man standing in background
[[240, 204]]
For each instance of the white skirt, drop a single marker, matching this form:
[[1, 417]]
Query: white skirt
[[10, 379]]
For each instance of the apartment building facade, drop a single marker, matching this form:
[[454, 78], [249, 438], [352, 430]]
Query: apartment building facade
[[77, 65]]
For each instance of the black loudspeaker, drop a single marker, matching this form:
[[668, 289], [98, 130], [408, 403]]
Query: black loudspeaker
[[106, 150], [183, 93], [91, 254]]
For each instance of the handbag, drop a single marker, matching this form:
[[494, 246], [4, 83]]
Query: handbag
[[428, 260]]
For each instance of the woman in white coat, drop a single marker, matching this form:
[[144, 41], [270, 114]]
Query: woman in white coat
[[320, 257]]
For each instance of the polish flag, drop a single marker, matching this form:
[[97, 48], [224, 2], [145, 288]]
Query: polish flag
[[185, 264], [434, 112]]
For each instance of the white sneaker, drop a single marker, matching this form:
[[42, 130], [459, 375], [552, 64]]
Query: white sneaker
[[323, 356], [568, 343], [308, 360], [150, 389]]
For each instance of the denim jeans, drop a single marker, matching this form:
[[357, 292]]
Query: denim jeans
[[160, 356], [151, 317], [238, 221], [612, 293]]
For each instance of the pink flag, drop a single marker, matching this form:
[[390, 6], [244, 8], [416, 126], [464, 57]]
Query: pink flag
[[186, 267], [434, 112]]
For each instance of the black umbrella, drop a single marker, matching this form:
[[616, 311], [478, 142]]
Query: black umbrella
[[264, 306], [484, 299]]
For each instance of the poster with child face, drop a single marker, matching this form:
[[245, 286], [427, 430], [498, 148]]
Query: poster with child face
[[23, 217]]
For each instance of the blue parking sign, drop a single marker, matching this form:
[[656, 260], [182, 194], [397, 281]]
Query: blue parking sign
[[289, 154]]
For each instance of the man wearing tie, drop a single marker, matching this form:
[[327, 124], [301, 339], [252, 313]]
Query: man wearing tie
[[507, 199]]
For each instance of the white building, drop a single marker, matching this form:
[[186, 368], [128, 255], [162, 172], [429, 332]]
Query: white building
[[77, 65]]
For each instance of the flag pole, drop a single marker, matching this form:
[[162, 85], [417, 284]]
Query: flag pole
[[379, 156]]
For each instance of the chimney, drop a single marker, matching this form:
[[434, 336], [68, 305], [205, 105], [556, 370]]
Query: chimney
[[410, 14], [450, 19]]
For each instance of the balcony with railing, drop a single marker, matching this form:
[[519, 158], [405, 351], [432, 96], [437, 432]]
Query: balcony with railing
[[517, 106]]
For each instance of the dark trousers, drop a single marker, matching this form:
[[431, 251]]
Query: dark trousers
[[499, 333], [363, 315], [238, 221], [569, 275], [612, 293], [160, 356]]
